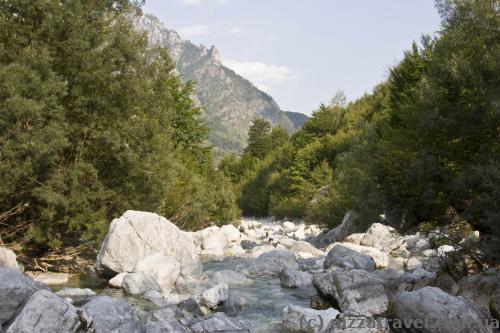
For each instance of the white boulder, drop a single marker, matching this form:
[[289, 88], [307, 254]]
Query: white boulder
[[8, 258], [136, 235], [164, 270]]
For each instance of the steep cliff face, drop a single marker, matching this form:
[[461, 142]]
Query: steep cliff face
[[229, 101]]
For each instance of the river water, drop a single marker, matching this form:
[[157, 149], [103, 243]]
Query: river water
[[264, 300]]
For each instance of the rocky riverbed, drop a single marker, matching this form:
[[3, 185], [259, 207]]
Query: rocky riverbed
[[258, 276]]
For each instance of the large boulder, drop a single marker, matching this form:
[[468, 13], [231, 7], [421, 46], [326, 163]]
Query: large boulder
[[117, 281], [212, 241], [164, 321], [217, 323], [164, 270], [354, 238], [231, 232], [359, 324], [380, 258], [46, 312], [440, 311], [303, 320], [346, 228], [479, 288], [231, 278], [136, 235], [382, 237], [214, 296], [113, 315], [139, 283], [272, 263], [15, 290], [344, 257], [234, 250], [354, 291], [295, 279], [8, 258], [305, 250]]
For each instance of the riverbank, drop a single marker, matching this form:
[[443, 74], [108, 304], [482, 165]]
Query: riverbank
[[261, 276]]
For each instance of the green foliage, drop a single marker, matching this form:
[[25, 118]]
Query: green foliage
[[93, 123], [259, 142], [423, 144]]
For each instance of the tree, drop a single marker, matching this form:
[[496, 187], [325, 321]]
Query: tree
[[259, 142], [94, 122]]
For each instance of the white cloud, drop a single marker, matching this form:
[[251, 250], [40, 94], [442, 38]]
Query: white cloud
[[191, 2], [194, 30], [235, 31], [264, 76]]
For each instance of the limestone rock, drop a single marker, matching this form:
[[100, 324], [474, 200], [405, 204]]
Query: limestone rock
[[303, 320], [295, 279], [234, 250], [213, 241], [231, 278], [354, 291], [272, 263], [380, 258], [412, 264], [345, 257], [112, 315], [117, 281], [214, 296], [164, 321], [354, 238], [8, 258], [231, 232], [46, 312], [15, 290], [164, 270], [76, 294], [449, 313], [139, 283], [305, 250], [382, 237], [218, 322], [136, 235]]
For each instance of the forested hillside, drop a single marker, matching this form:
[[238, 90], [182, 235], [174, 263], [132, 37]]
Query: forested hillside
[[93, 123], [229, 102], [423, 148]]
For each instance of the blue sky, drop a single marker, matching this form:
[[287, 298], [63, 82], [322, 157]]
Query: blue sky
[[302, 52]]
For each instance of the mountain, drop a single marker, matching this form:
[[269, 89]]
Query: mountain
[[298, 119], [229, 101]]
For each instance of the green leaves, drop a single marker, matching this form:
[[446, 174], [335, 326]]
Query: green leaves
[[94, 123], [424, 143]]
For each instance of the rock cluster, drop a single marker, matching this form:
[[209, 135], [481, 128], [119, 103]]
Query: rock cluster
[[380, 279]]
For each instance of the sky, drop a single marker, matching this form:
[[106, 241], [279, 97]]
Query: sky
[[302, 52]]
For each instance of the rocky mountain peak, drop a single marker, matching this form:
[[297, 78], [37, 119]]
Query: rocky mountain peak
[[214, 55], [229, 102]]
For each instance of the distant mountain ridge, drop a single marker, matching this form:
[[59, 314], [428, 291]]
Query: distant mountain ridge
[[229, 101]]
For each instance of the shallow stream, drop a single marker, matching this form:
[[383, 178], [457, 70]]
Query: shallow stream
[[264, 300]]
